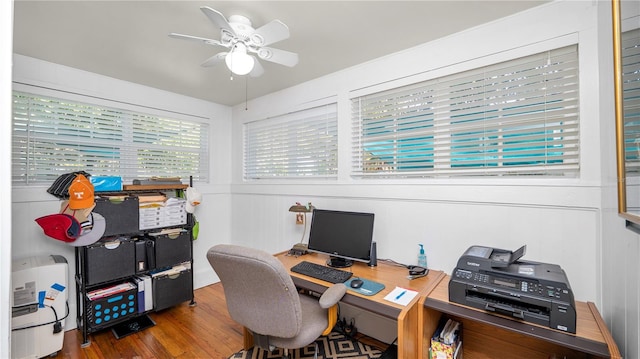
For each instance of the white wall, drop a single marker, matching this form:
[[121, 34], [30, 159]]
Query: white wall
[[565, 221], [6, 49], [27, 238]]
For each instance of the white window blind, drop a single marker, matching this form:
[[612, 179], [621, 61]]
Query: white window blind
[[52, 136], [631, 100], [295, 145], [518, 117]]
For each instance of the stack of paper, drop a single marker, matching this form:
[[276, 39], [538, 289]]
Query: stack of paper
[[168, 231], [154, 198], [171, 212], [175, 270], [449, 333], [109, 291]]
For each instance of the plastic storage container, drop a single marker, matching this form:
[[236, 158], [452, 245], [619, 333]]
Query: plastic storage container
[[109, 260], [171, 289], [112, 309], [121, 214], [172, 248]]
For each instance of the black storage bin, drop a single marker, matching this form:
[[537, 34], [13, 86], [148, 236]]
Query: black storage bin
[[172, 249], [113, 309], [170, 290], [109, 259], [122, 215]]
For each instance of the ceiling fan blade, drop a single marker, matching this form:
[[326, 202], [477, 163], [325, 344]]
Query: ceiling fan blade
[[269, 33], [258, 70], [278, 56], [217, 18], [214, 60], [195, 38]]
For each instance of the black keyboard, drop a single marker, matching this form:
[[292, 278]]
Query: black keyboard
[[321, 272]]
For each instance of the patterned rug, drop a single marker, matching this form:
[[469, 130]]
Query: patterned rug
[[333, 346]]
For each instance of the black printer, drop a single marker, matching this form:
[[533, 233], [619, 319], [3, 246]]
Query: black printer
[[497, 281]]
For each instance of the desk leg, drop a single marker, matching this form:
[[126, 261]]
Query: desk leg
[[408, 340], [248, 339]]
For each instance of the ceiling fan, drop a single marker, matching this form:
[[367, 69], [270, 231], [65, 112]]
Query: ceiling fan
[[243, 42]]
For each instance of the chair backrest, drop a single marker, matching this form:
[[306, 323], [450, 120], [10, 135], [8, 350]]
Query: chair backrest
[[259, 291]]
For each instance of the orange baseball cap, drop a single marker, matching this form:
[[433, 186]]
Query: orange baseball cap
[[81, 194]]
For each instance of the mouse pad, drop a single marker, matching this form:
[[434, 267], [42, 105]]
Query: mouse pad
[[368, 287]]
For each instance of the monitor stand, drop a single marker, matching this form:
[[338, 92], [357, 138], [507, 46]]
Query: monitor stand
[[338, 262]]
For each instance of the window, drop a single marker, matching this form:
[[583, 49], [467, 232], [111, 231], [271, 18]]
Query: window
[[53, 136], [631, 100], [302, 144], [518, 117]]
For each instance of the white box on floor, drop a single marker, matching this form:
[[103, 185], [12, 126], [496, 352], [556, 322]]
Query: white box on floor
[[38, 306]]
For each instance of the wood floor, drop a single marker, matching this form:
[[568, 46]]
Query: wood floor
[[201, 331]]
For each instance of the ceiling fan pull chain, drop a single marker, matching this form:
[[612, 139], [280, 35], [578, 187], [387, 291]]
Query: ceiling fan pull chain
[[246, 93]]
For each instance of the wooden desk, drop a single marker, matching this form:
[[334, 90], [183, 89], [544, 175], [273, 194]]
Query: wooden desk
[[409, 339], [494, 336]]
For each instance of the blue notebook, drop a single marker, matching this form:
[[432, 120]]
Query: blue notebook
[[368, 287]]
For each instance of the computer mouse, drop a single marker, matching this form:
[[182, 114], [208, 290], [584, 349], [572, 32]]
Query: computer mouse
[[357, 283]]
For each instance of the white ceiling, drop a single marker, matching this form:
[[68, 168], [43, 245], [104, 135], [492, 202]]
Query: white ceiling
[[128, 40]]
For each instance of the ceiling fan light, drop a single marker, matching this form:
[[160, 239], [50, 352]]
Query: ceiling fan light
[[238, 61]]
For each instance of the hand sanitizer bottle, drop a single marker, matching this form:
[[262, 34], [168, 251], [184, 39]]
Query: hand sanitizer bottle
[[422, 258]]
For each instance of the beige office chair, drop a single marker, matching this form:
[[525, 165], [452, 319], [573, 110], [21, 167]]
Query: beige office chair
[[261, 296]]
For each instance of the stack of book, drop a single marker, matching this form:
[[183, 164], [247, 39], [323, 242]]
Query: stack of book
[[446, 342], [145, 293]]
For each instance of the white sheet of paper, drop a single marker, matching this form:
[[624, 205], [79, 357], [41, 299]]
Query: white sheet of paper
[[401, 295]]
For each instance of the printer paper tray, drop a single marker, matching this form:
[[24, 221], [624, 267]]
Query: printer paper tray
[[512, 308]]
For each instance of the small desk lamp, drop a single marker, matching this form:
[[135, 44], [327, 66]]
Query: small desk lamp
[[299, 209]]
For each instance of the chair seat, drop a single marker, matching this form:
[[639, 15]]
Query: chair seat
[[314, 322]]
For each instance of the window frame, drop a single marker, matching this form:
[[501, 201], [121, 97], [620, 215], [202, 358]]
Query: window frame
[[440, 169], [130, 110], [298, 165]]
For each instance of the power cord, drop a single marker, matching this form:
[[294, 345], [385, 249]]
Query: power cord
[[391, 352], [392, 262], [414, 271], [57, 323], [348, 329]]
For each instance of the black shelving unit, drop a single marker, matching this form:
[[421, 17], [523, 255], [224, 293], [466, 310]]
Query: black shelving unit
[[115, 260]]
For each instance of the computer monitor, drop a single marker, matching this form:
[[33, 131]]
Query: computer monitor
[[344, 236]]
